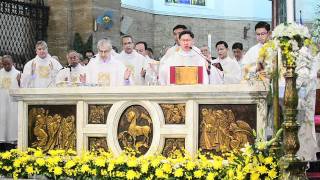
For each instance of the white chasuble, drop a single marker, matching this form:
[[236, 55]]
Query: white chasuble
[[105, 73], [40, 73], [135, 62]]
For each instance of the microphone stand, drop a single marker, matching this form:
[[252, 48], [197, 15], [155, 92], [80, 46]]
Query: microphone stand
[[205, 58]]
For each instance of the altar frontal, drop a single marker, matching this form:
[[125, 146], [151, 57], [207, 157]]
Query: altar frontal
[[149, 119]]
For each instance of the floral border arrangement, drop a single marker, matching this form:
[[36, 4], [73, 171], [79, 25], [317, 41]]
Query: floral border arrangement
[[251, 162]]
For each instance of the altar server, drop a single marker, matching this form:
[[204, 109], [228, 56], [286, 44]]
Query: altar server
[[74, 73], [184, 56], [134, 61], [105, 69], [41, 71], [9, 78], [250, 59], [224, 70]]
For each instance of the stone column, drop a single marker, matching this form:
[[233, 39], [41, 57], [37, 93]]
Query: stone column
[[66, 18], [59, 28]]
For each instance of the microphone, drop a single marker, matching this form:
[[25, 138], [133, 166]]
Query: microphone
[[69, 66]]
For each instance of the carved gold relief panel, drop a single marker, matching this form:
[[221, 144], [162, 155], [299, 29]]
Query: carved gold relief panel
[[226, 127], [174, 113], [135, 129], [171, 145], [52, 127], [96, 143], [98, 113]]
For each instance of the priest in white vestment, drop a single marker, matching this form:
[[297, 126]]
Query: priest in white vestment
[[224, 70], [151, 66], [250, 59], [41, 71], [9, 78], [184, 56], [105, 69], [132, 60], [176, 47], [74, 74]]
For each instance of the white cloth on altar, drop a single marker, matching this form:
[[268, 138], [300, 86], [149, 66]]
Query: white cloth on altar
[[181, 58], [40, 73], [106, 73], [231, 73], [134, 62], [9, 109], [71, 74]]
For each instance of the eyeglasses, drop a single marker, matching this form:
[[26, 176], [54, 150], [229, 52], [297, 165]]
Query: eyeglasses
[[262, 34], [185, 40]]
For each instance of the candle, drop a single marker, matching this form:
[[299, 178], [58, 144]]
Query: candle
[[290, 11], [95, 27], [209, 42]]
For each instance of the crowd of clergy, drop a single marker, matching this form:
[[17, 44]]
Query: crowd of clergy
[[132, 66]]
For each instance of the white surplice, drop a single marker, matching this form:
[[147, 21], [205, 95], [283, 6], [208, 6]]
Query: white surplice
[[249, 61], [106, 73], [71, 74], [231, 73], [135, 62], [40, 73], [181, 58], [9, 109]]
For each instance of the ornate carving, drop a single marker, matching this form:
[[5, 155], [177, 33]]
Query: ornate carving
[[98, 113], [49, 129], [290, 164], [219, 130], [135, 129], [290, 125], [172, 145], [174, 113], [96, 143]]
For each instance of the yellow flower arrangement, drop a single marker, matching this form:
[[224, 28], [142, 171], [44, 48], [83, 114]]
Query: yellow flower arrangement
[[252, 162]]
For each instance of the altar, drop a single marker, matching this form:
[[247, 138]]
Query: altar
[[149, 119]]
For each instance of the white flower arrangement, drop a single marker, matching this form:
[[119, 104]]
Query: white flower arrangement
[[290, 30]]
